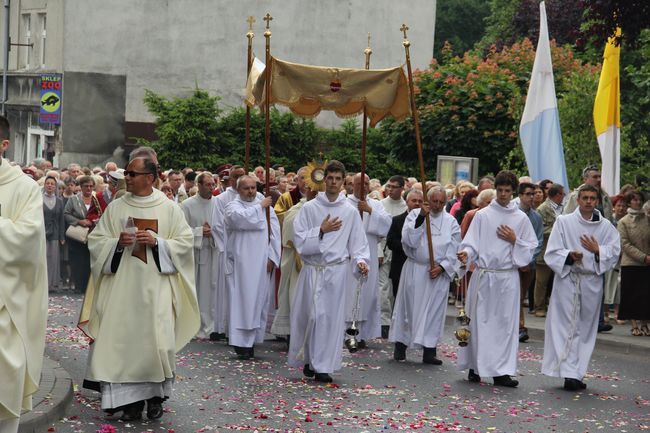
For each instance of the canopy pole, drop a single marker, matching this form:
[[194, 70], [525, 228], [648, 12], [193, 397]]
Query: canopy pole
[[416, 124], [364, 132], [267, 119], [250, 35]]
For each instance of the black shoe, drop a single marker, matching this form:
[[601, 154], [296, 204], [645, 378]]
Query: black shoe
[[429, 356], [399, 354], [323, 377], [582, 385], [217, 336], [573, 384], [132, 411], [307, 371], [473, 377], [506, 380], [244, 353], [523, 335], [605, 327], [154, 408], [385, 330], [362, 344]]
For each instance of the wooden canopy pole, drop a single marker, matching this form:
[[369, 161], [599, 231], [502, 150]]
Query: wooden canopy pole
[[364, 132], [416, 124], [250, 35], [267, 118]]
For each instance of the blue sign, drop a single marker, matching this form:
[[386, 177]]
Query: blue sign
[[51, 90]]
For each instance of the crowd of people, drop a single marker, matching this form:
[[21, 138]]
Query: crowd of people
[[324, 264]]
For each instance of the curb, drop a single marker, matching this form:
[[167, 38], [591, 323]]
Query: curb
[[51, 401]]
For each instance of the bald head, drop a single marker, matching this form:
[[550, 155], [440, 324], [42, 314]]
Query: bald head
[[356, 184]]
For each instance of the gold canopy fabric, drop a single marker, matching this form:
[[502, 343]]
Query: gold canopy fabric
[[307, 90]]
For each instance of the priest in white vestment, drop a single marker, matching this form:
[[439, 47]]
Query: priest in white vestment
[[500, 240], [23, 288], [198, 214], [329, 237], [141, 307], [290, 266], [376, 222], [583, 246], [421, 303], [218, 224], [252, 254]]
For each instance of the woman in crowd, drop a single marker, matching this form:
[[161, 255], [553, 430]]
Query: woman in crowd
[[539, 196], [634, 229], [54, 231], [75, 215], [612, 291], [467, 203], [461, 189]]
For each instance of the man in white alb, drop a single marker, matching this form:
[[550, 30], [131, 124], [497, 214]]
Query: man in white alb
[[329, 237], [583, 246], [500, 240]]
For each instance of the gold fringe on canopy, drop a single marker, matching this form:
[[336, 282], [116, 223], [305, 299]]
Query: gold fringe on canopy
[[307, 90]]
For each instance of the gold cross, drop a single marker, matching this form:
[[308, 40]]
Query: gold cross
[[268, 18], [250, 22], [403, 29]]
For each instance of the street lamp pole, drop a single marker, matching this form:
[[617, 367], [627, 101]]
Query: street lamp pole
[[5, 53]]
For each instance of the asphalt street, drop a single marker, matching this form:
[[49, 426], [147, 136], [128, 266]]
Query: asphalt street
[[215, 392]]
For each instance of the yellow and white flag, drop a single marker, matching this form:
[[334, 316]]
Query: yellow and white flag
[[607, 117]]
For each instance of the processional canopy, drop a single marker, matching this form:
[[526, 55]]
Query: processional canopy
[[307, 90]]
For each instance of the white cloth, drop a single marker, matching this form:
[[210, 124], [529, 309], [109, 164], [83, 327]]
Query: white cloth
[[249, 284], [23, 290], [386, 299], [9, 425], [318, 308], [493, 293], [290, 271], [120, 394], [198, 211], [574, 307], [375, 226], [140, 316], [421, 304], [221, 304]]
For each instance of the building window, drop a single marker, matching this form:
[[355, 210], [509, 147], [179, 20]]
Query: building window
[[43, 21], [27, 39]]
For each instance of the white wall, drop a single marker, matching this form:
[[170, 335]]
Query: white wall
[[169, 46]]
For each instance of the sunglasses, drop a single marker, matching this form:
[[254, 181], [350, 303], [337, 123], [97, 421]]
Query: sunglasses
[[132, 173]]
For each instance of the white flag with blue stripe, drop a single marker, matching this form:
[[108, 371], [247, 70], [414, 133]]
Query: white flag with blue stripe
[[539, 129]]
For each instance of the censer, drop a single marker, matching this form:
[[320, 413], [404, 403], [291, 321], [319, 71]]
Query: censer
[[351, 342], [462, 333]]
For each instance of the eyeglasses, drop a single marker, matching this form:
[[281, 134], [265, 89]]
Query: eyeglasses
[[132, 173]]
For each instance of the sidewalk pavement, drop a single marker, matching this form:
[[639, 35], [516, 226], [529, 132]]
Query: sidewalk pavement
[[619, 338], [51, 401]]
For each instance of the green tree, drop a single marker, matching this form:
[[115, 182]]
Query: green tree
[[186, 127], [461, 23]]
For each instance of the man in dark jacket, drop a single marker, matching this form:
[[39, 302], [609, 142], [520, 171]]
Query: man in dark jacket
[[414, 198]]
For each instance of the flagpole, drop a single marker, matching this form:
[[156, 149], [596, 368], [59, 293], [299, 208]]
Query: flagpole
[[267, 118], [250, 35], [416, 124], [364, 133]]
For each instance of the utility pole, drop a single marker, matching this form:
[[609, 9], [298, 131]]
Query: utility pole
[[5, 53]]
